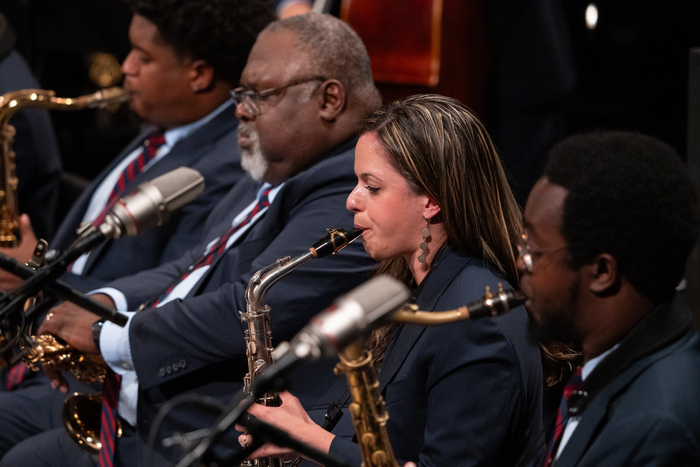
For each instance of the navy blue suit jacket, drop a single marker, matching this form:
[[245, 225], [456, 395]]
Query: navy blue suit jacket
[[464, 393], [212, 151], [649, 414], [197, 344]]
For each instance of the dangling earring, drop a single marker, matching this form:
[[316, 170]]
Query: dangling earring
[[424, 244]]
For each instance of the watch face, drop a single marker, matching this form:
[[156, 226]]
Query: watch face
[[96, 330]]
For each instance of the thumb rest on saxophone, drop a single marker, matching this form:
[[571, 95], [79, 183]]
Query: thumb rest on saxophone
[[258, 336], [14, 101], [367, 409]]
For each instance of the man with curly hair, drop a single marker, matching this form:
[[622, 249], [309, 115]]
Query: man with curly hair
[[185, 58], [608, 230]]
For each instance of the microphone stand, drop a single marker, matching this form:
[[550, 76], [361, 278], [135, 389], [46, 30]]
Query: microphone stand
[[271, 380], [47, 279]]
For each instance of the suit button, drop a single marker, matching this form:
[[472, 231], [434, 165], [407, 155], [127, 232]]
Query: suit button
[[161, 372], [183, 363], [168, 369]]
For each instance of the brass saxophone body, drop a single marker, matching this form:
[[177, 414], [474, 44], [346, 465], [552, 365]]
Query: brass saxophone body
[[14, 101], [258, 336], [79, 411], [367, 409]]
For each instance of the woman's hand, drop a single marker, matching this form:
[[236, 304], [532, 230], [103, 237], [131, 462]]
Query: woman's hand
[[292, 418]]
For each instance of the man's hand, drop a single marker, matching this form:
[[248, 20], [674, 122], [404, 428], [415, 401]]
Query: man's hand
[[73, 324], [22, 252]]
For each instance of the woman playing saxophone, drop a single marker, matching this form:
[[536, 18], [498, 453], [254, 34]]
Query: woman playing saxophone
[[436, 210]]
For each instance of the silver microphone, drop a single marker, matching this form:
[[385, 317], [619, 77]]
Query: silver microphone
[[351, 315], [151, 204]]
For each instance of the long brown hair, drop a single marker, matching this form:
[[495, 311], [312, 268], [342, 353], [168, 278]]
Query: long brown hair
[[441, 148]]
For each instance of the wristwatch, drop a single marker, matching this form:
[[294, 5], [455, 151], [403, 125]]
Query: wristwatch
[[96, 330]]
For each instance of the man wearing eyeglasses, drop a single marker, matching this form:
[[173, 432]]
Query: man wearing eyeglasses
[[608, 230], [306, 88], [181, 87]]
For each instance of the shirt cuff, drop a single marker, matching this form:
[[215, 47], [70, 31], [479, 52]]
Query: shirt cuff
[[117, 297], [115, 346]]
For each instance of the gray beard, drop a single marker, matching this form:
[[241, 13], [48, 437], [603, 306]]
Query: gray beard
[[252, 159]]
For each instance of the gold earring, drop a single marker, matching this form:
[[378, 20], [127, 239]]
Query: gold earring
[[424, 244]]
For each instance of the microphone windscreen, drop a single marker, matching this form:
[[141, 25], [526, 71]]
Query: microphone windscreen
[[151, 204], [351, 316], [178, 187]]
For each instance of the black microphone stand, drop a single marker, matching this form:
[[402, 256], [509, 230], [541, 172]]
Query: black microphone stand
[[273, 379], [12, 303]]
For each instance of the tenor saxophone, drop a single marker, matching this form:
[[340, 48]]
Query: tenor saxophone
[[258, 336], [367, 409], [14, 101]]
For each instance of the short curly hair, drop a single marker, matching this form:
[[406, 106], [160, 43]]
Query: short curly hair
[[221, 32], [631, 196]]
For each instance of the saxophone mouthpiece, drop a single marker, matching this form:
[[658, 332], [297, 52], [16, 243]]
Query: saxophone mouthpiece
[[336, 240]]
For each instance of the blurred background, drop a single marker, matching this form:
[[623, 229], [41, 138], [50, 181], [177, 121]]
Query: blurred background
[[630, 67], [534, 70]]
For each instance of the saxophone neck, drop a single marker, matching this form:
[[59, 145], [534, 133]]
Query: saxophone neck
[[11, 102], [260, 283], [262, 280]]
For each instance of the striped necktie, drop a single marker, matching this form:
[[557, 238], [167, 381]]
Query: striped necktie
[[108, 418], [149, 149], [210, 255], [572, 385]]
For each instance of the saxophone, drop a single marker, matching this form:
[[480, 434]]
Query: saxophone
[[46, 349], [257, 316], [10, 103], [368, 413]]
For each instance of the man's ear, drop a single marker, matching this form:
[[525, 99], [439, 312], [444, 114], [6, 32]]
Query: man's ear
[[201, 75], [333, 99], [604, 276]]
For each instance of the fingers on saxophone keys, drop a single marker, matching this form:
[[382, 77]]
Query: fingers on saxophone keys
[[244, 440]]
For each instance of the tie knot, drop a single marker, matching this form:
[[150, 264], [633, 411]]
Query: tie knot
[[155, 139], [576, 398], [264, 201]]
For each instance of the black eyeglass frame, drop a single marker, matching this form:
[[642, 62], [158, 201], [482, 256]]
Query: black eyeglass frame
[[252, 99]]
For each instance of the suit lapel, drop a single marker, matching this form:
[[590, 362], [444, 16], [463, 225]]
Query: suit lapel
[[66, 232], [437, 281], [185, 152], [596, 413]]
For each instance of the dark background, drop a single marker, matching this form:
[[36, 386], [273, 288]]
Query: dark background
[[632, 70]]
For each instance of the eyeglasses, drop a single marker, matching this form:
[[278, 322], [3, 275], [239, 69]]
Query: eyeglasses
[[252, 99], [528, 256]]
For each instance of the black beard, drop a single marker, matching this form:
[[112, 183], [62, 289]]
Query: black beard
[[559, 326]]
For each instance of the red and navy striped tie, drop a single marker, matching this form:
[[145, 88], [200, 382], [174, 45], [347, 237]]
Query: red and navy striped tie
[[212, 254], [572, 385], [135, 167], [108, 418]]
